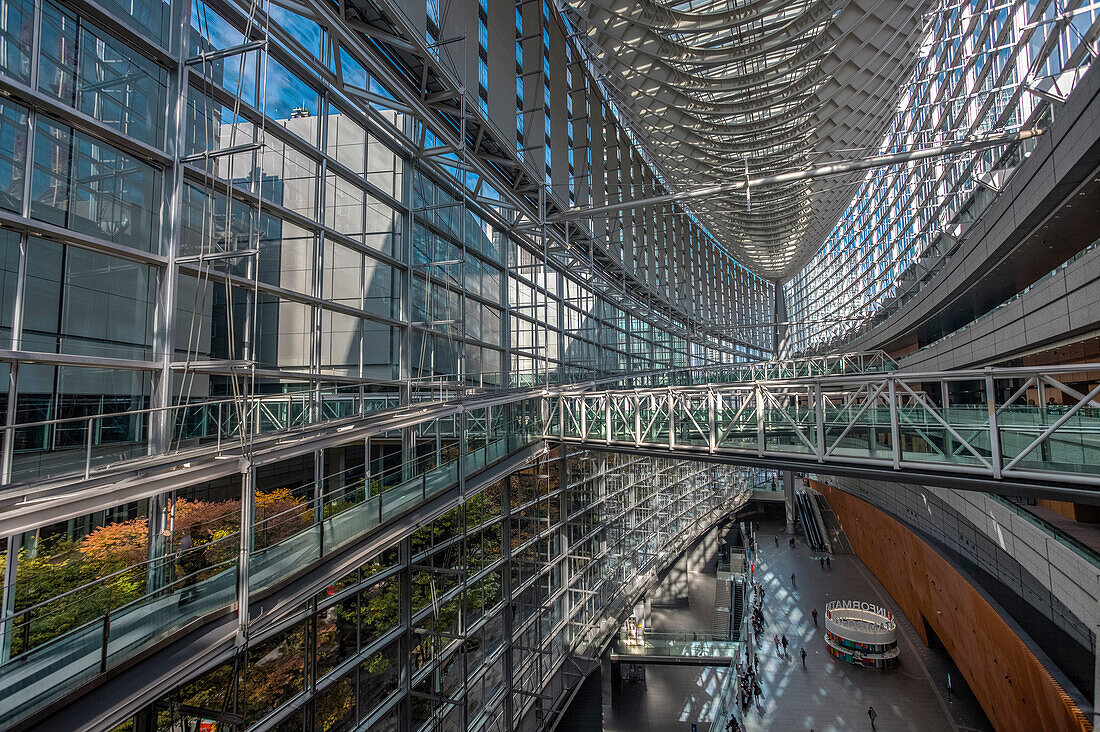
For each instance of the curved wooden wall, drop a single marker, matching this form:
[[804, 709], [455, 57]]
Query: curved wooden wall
[[1012, 685]]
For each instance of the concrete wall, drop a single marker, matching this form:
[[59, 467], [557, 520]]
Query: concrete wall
[[1063, 305], [1014, 688]]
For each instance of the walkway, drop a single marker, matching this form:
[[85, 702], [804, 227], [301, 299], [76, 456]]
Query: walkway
[[882, 426], [830, 695]]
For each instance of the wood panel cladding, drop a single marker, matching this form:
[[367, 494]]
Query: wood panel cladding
[[1014, 688]]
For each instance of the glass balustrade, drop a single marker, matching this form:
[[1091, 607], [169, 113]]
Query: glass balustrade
[[684, 644], [67, 640], [78, 445], [854, 422]]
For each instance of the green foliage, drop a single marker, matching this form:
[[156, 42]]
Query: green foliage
[[379, 663], [60, 564]]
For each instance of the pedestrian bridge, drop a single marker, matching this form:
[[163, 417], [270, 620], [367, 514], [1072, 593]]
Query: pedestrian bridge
[[1035, 429], [682, 648], [998, 429]]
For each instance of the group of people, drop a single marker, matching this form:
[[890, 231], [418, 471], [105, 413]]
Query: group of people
[[749, 685], [757, 608], [749, 689]]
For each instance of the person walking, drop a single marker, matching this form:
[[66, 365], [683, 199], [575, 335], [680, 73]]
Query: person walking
[[783, 640], [776, 639], [948, 684], [191, 558], [821, 561], [828, 563], [776, 540], [790, 542], [803, 653], [814, 616], [793, 583], [872, 714]]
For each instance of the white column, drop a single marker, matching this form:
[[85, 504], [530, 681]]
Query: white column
[[788, 498]]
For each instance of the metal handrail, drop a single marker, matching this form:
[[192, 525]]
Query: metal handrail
[[252, 399], [255, 399], [100, 580], [1083, 550], [807, 413], [305, 506]]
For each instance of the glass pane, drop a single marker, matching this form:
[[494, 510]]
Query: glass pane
[[13, 154], [16, 32]]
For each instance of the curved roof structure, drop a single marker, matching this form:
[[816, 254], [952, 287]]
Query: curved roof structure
[[729, 89]]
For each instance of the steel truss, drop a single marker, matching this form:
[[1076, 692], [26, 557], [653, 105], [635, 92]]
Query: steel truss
[[1013, 424]]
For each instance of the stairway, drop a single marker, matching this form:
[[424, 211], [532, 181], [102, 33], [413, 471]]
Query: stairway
[[720, 625]]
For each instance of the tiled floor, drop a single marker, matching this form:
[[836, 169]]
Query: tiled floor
[[827, 694]]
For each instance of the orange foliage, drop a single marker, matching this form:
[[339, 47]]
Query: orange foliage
[[211, 515], [122, 544], [126, 543]]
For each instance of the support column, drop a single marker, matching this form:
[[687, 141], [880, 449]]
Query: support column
[[7, 601], [408, 638], [788, 498], [781, 342], [248, 490]]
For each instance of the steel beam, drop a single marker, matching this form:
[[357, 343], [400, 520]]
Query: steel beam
[[841, 168]]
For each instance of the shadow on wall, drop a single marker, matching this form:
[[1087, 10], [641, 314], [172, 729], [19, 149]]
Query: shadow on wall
[[1014, 688]]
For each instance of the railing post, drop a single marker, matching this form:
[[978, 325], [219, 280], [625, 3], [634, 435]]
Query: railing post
[[759, 419], [895, 433], [671, 420], [945, 398], [561, 415], [994, 431], [607, 416], [637, 420], [819, 417], [712, 419], [88, 448], [106, 641]]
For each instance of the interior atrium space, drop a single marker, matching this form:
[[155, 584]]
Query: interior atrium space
[[595, 365]]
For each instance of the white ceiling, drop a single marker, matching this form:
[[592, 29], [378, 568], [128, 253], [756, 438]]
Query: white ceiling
[[709, 88]]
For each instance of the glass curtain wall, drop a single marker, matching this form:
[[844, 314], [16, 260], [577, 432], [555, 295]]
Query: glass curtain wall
[[976, 74], [197, 209], [243, 220], [464, 621]]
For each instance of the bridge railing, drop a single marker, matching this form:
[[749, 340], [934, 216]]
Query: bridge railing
[[1020, 423]]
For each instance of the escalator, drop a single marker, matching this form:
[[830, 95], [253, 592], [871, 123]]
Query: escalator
[[815, 535], [737, 614]]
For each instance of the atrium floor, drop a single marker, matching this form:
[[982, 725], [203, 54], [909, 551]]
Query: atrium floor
[[827, 694]]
